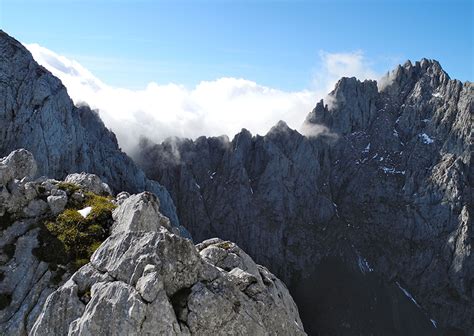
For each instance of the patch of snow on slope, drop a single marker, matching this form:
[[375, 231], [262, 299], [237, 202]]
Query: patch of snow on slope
[[364, 265], [85, 212], [408, 295], [425, 138], [392, 170]]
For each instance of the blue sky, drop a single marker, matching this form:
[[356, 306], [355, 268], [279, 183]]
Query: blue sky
[[274, 43]]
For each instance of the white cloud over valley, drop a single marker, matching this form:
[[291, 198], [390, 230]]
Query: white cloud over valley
[[211, 108]]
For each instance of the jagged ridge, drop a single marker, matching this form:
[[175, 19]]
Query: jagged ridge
[[384, 173]]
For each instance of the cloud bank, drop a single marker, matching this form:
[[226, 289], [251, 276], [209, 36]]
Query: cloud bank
[[211, 108]]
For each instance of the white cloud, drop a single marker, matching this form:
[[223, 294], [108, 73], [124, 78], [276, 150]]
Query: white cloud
[[221, 106], [336, 65]]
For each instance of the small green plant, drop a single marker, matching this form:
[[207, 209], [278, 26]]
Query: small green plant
[[70, 239]]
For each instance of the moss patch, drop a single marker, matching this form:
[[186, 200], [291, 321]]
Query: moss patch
[[70, 239], [225, 245], [69, 188]]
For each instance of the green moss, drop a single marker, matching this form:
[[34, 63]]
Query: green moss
[[69, 188], [70, 239], [225, 245], [41, 189]]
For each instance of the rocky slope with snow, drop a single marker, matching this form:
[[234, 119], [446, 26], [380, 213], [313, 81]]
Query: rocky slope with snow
[[382, 181], [37, 114], [143, 276]]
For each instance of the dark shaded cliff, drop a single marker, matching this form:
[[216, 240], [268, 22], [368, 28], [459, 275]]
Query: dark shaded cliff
[[383, 178]]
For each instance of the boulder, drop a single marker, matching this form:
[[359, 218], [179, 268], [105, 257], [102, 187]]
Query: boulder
[[139, 212], [89, 182], [17, 165], [57, 201]]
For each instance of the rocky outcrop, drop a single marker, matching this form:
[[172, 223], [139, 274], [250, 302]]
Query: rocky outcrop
[[146, 280], [37, 114], [89, 182], [383, 174], [139, 213], [32, 263]]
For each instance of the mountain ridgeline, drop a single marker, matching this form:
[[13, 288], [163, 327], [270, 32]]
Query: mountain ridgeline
[[367, 213], [366, 216]]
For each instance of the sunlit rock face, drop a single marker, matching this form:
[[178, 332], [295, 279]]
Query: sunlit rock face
[[383, 174]]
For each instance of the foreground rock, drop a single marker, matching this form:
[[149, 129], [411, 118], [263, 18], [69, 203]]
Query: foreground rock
[[32, 261], [154, 282]]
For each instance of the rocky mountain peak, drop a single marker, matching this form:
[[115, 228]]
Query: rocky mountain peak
[[350, 107], [384, 174], [404, 78]]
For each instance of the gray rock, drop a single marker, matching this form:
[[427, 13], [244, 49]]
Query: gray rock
[[89, 182], [17, 165], [36, 208], [57, 201], [157, 283], [121, 197], [139, 212]]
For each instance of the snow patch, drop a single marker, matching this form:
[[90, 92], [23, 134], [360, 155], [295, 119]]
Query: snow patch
[[437, 95], [197, 185], [425, 138], [408, 295], [364, 265], [85, 212], [434, 323], [392, 170], [366, 149]]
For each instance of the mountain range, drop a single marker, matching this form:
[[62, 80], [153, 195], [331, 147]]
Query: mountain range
[[365, 215]]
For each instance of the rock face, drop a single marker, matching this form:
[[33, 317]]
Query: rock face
[[383, 178], [148, 280], [37, 114]]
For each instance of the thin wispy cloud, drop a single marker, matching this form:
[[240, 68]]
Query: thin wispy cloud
[[221, 106]]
